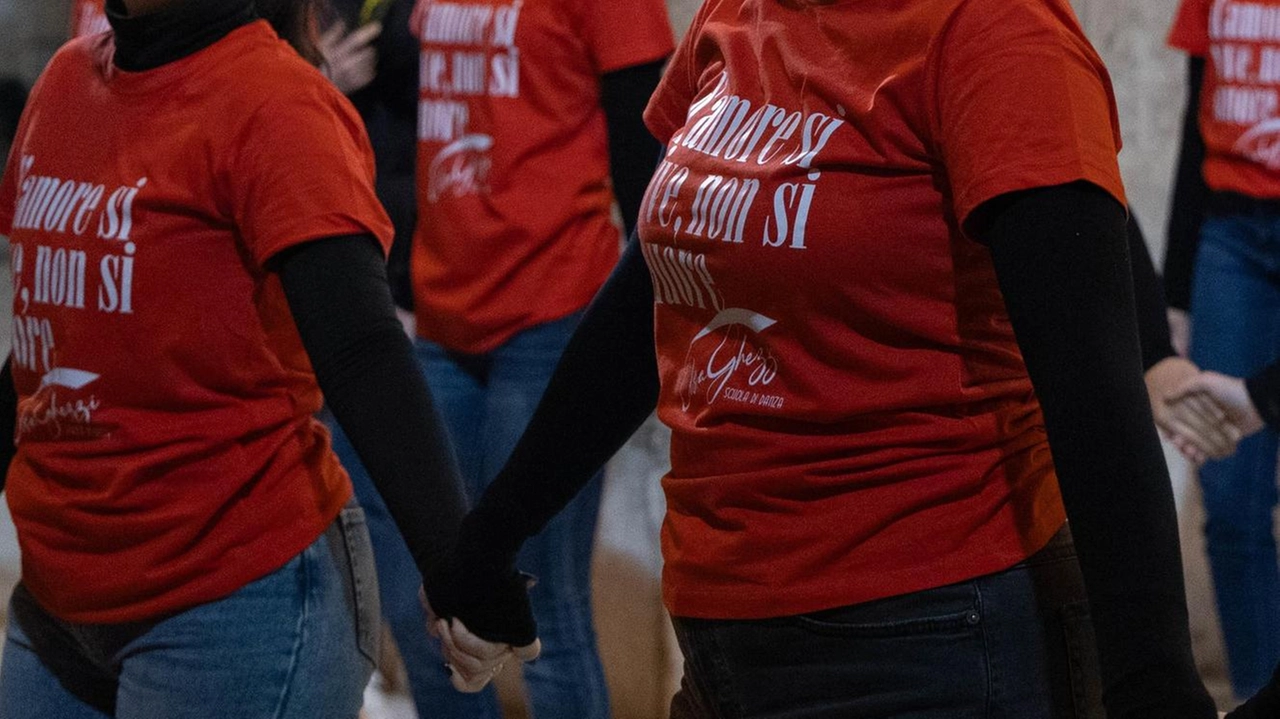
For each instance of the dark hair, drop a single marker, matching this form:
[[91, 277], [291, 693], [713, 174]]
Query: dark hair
[[296, 22]]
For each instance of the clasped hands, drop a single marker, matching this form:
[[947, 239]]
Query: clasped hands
[[499, 620], [473, 662], [1203, 414]]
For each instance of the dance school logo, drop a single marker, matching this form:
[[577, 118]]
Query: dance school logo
[[1262, 144], [46, 416], [461, 168], [728, 360]]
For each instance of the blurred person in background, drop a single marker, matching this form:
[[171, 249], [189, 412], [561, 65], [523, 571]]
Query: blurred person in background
[[530, 129], [1223, 265]]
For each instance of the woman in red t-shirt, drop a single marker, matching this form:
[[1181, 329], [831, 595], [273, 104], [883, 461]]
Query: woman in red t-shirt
[[197, 251], [883, 269]]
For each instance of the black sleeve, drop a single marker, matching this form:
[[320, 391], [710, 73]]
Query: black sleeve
[[1153, 318], [13, 98], [337, 290], [603, 389], [8, 419], [1061, 258], [389, 106], [1264, 390], [1190, 195], [633, 152]]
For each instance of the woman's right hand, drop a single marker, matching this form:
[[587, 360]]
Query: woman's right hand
[[479, 608], [472, 661]]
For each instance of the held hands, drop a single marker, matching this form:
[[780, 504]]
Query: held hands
[[472, 661], [1230, 394], [481, 613], [1204, 414]]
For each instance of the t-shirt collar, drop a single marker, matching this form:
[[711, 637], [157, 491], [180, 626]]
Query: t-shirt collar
[[146, 42]]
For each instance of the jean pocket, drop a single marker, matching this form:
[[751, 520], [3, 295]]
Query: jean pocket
[[1082, 661], [363, 577], [935, 611]]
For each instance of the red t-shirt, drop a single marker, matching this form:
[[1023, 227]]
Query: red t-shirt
[[514, 224], [1240, 98], [851, 416], [88, 17], [167, 453]]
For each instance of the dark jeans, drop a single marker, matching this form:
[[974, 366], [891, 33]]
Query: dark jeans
[[1235, 312], [1013, 645]]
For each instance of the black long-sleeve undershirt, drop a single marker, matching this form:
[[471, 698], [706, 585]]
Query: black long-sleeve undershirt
[[1062, 258], [633, 151], [1190, 197], [1153, 323], [338, 292], [570, 437]]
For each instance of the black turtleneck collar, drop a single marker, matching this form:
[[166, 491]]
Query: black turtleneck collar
[[145, 42]]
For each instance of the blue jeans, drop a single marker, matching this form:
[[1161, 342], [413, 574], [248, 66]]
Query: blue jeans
[[486, 401], [1016, 644], [299, 643], [1235, 307]]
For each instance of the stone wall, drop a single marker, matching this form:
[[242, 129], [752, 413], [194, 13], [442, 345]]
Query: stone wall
[[1150, 89]]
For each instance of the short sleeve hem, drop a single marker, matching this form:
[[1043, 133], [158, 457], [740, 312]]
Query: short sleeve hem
[[320, 228], [1190, 31], [654, 54], [1026, 177]]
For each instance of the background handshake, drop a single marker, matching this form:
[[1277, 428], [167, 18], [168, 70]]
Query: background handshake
[[1204, 414]]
